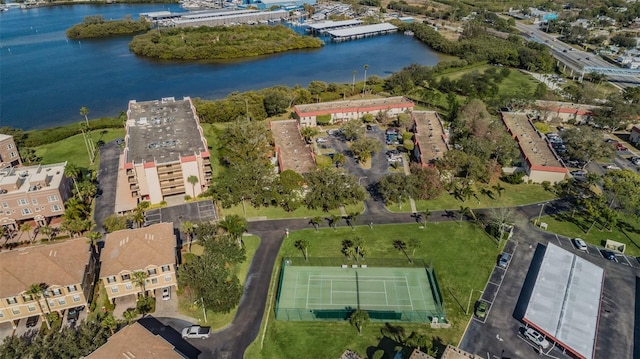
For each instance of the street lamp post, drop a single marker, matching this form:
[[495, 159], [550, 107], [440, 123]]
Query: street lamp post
[[469, 302], [204, 311], [540, 214]]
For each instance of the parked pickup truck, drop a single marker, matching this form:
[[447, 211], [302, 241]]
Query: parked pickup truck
[[195, 332]]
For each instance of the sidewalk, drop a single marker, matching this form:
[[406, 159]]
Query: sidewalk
[[405, 166]]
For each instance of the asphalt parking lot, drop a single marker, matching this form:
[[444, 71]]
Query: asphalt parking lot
[[194, 212], [499, 336]]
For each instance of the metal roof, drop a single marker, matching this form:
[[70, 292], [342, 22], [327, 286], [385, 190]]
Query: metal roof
[[331, 24], [360, 30], [565, 302]]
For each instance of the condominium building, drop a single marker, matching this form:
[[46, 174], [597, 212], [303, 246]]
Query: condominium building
[[136, 342], [308, 114], [33, 193], [65, 271], [9, 155], [165, 153], [431, 138], [151, 250]]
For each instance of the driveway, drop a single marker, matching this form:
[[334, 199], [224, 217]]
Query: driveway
[[194, 212], [107, 180]]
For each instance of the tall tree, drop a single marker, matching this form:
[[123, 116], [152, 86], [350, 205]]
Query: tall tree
[[366, 67], [72, 171], [395, 188], [47, 231], [84, 111], [193, 180], [353, 218], [330, 188], [139, 279], [188, 229], [364, 148], [315, 222], [413, 244], [401, 246], [234, 225], [37, 291], [303, 246], [26, 228], [425, 216], [333, 221], [359, 319], [586, 144], [94, 238]]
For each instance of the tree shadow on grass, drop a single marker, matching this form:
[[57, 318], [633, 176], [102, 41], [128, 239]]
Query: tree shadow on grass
[[625, 227], [386, 345], [577, 219]]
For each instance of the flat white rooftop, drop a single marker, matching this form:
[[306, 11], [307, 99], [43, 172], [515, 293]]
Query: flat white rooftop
[[332, 24], [565, 302], [361, 30]]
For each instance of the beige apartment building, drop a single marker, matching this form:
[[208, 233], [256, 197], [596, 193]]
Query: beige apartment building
[[9, 155], [33, 193], [165, 150], [348, 110], [151, 249], [67, 271]]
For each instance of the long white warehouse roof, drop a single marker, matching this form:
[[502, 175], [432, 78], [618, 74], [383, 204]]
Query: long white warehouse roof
[[357, 30]]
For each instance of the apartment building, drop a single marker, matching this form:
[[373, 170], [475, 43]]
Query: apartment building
[[307, 115], [66, 271], [33, 193], [151, 250], [431, 138], [9, 155], [165, 153], [136, 342]]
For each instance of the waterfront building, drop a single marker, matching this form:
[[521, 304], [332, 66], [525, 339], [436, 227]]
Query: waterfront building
[[291, 150], [307, 115], [9, 155], [165, 154], [431, 138], [151, 250], [65, 271], [33, 193]]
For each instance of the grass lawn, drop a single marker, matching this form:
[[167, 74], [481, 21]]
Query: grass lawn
[[212, 132], [516, 82], [219, 320], [278, 213], [627, 231], [449, 246], [73, 150], [513, 195]]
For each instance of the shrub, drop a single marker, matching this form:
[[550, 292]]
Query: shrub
[[515, 178], [323, 119]]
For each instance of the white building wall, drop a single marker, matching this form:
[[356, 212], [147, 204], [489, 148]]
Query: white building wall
[[192, 169], [155, 193]]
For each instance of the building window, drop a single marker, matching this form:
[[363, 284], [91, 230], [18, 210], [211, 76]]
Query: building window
[[72, 288], [111, 279], [128, 286], [23, 202], [166, 268], [167, 278], [37, 209], [1, 315], [15, 311], [27, 297], [31, 308], [56, 208], [55, 292], [10, 146], [154, 280], [53, 198], [34, 201], [5, 205], [114, 290], [76, 298], [62, 301], [26, 211], [12, 300], [52, 303], [126, 276], [152, 271], [13, 154]]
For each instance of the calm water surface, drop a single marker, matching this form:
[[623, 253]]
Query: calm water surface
[[45, 78]]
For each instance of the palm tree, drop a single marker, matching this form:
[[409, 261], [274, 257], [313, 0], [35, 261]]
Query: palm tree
[[26, 227], [84, 112], [357, 244], [333, 220], [401, 246], [425, 217], [353, 83], [37, 291], [139, 279], [72, 171], [414, 244], [359, 319], [339, 159], [138, 213], [353, 218], [315, 222], [46, 231], [351, 252], [463, 211], [188, 228], [193, 180], [93, 238], [234, 225], [303, 245], [109, 322], [498, 188], [366, 67]]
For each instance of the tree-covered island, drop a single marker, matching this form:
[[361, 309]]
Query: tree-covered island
[[220, 42], [96, 26]]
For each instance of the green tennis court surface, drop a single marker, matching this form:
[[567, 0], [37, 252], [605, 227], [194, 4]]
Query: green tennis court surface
[[387, 293]]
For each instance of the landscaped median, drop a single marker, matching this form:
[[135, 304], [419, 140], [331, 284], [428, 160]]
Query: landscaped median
[[250, 212], [462, 255], [194, 308], [509, 196]]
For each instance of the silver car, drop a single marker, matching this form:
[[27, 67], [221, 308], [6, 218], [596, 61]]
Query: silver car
[[536, 338], [579, 243]]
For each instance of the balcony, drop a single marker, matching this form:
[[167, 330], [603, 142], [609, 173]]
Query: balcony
[[172, 190], [170, 175], [169, 168], [131, 180]]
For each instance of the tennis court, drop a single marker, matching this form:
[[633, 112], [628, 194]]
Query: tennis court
[[334, 292]]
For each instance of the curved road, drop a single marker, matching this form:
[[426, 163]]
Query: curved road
[[232, 341]]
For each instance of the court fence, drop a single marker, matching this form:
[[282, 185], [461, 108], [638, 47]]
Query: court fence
[[437, 315]]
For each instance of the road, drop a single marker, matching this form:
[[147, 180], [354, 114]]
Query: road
[[574, 58]]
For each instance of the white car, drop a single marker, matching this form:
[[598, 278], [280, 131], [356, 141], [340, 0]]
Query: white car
[[166, 293], [580, 244], [321, 140], [612, 167], [536, 338]]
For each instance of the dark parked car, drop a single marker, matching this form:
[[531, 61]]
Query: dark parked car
[[608, 255], [72, 315], [32, 321]]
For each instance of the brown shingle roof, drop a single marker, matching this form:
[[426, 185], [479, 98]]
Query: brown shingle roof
[[59, 264], [136, 342], [134, 249]]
